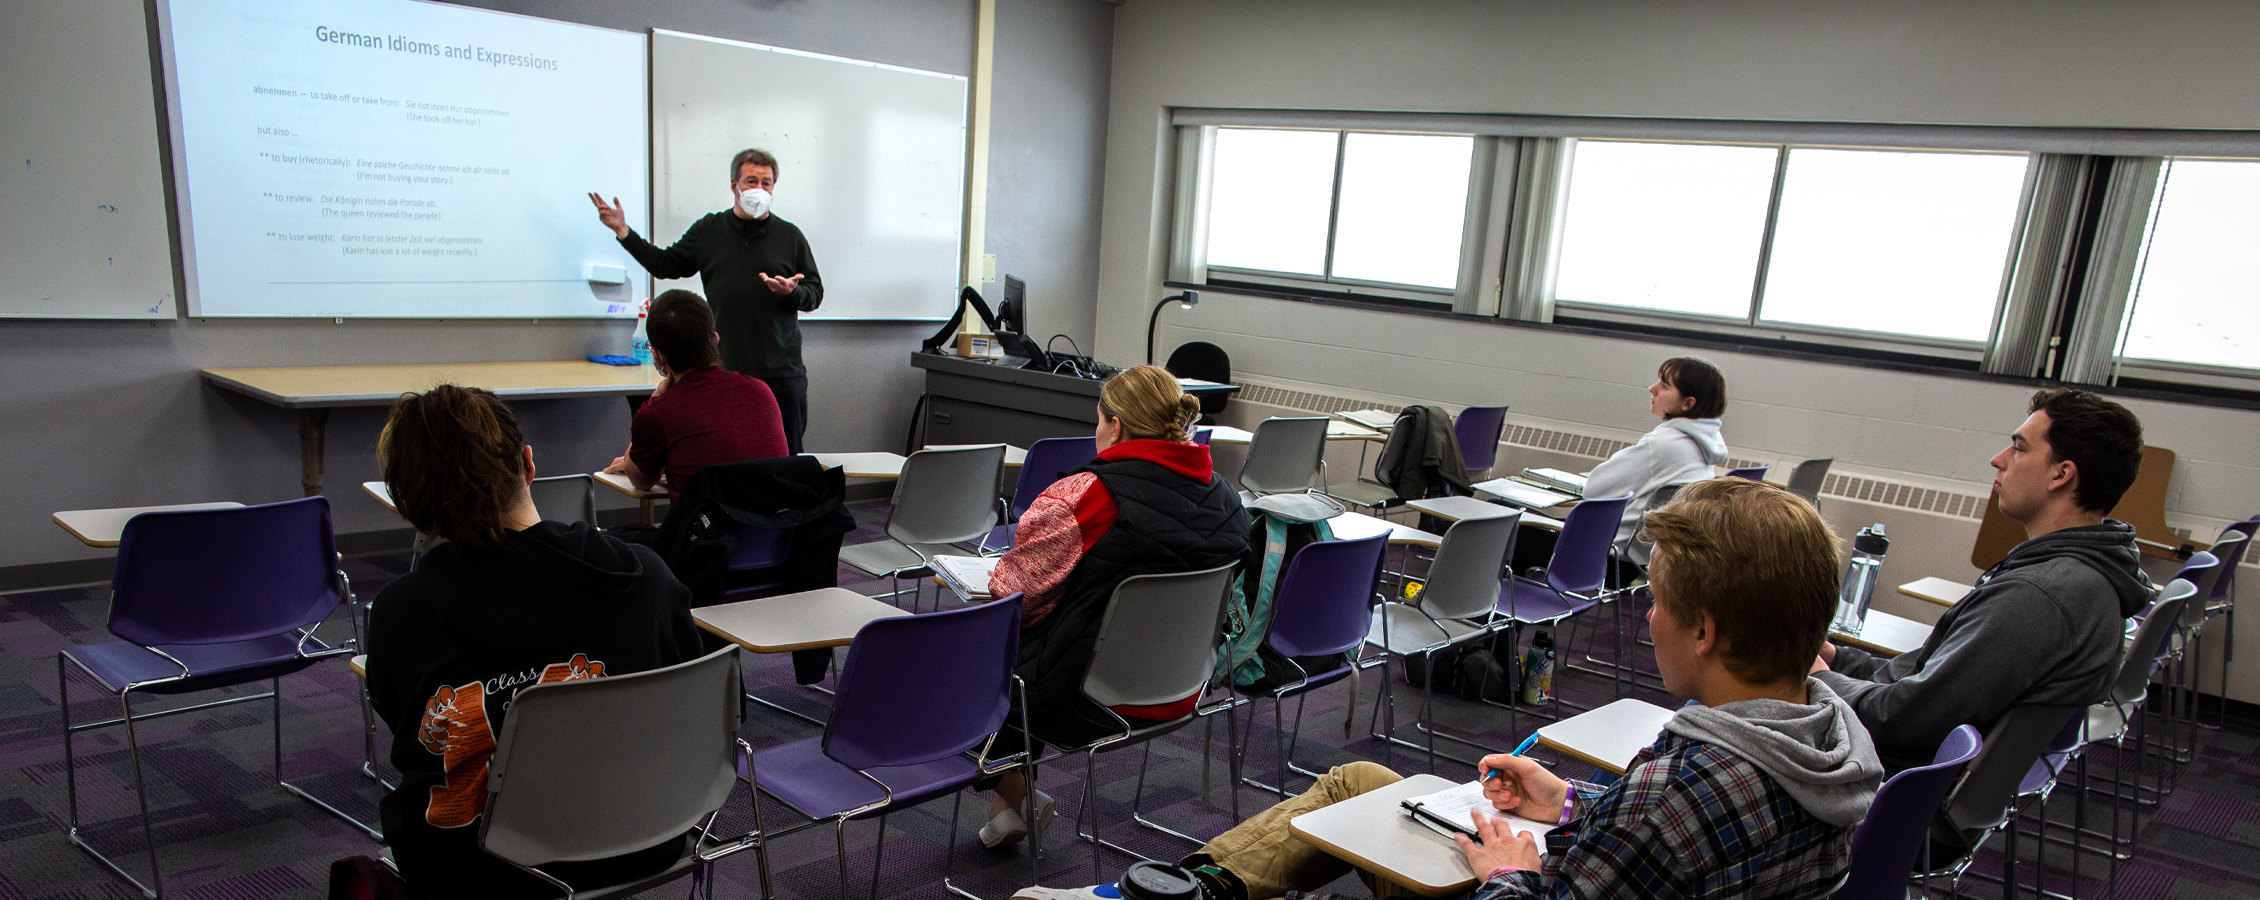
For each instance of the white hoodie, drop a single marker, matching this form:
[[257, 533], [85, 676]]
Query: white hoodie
[[1675, 452]]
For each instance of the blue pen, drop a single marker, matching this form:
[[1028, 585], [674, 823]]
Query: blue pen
[[1519, 750]]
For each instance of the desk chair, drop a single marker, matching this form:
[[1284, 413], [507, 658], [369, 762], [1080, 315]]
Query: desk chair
[[1151, 650], [1806, 480], [1576, 577], [1286, 455], [1368, 493], [1322, 610], [2121, 712], [917, 695], [1457, 603], [2203, 571], [1890, 841], [944, 497], [206, 599], [559, 487], [601, 767], [1752, 473], [1207, 362], [1048, 461], [2230, 547], [1985, 800], [1477, 428]]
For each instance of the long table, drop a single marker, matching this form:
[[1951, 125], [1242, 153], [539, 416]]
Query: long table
[[315, 390]]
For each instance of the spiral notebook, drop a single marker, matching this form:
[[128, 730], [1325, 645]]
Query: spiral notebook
[[1447, 811]]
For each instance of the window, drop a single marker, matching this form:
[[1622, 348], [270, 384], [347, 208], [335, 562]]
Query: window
[[1343, 207], [1675, 227], [2196, 297], [1893, 241]]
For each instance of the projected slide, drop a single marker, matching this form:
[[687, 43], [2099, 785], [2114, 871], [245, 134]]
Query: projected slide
[[394, 158]]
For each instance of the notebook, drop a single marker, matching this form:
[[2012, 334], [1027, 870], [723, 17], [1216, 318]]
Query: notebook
[[967, 575], [1447, 811], [1524, 495], [1371, 418], [1556, 478]]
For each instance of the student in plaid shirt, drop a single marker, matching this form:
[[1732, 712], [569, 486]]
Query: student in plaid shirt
[[1752, 791]]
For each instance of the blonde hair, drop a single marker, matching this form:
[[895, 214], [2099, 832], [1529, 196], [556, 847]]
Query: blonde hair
[[1150, 405]]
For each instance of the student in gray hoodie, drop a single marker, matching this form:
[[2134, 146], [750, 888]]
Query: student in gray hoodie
[[1751, 792], [2043, 625]]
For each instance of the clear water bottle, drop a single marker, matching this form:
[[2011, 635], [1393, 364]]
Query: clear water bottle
[[1859, 580], [639, 342], [1538, 669]]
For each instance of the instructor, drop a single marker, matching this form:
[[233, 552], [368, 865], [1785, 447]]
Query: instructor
[[759, 276]]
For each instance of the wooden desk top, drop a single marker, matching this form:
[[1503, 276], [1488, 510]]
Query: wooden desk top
[[1453, 509], [327, 386], [1887, 634], [1350, 526], [382, 492], [1936, 590], [826, 617], [104, 527], [1608, 737], [873, 464], [1369, 828], [619, 482]]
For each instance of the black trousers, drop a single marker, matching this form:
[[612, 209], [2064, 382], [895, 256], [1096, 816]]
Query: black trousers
[[792, 403]]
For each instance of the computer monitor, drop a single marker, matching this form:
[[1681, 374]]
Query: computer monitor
[[1012, 311]]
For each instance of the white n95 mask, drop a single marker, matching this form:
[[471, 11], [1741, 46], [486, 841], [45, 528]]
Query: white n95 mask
[[754, 203]]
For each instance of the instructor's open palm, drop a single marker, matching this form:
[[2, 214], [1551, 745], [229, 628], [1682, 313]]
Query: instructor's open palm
[[612, 215]]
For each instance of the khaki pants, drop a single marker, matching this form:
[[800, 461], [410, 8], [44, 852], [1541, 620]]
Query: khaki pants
[[1271, 860]]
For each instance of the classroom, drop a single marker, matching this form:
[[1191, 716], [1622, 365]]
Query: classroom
[[1885, 226]]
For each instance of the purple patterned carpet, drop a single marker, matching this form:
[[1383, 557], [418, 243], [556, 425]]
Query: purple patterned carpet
[[225, 831]]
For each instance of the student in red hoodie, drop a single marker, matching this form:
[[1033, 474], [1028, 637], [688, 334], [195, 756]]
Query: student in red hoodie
[[505, 602], [1150, 503]]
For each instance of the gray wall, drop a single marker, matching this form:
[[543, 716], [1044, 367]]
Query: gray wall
[[111, 414]]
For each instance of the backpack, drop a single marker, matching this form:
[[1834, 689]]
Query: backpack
[[1281, 526]]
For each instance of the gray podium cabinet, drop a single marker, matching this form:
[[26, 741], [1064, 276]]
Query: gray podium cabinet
[[973, 402]]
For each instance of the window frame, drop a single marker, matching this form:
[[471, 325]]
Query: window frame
[[2152, 369]]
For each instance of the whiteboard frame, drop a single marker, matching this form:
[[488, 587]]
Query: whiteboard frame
[[652, 130], [176, 161]]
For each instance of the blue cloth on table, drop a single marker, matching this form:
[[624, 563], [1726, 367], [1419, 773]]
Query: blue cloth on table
[[614, 360]]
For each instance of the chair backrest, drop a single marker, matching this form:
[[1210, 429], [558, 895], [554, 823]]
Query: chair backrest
[[1806, 480], [558, 492], [598, 767], [2202, 570], [1663, 496], [1207, 362], [1323, 600], [2012, 745], [2230, 548], [947, 495], [1885, 845], [1284, 455], [761, 548], [1463, 581], [2149, 648], [212, 576], [1581, 554], [915, 689], [1477, 428], [1157, 643], [1752, 473], [1047, 460]]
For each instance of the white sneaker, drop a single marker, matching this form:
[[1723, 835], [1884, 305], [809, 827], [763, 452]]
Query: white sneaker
[[1105, 891], [1009, 827]]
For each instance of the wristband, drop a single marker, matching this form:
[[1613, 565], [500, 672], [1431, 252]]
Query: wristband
[[1502, 870], [1569, 802]]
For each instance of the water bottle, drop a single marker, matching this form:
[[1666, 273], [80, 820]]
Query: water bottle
[[1859, 580], [1538, 669], [639, 342], [1149, 880]]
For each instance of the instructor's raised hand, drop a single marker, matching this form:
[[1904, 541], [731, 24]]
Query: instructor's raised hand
[[612, 215]]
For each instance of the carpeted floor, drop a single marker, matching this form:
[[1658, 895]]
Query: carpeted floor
[[225, 831]]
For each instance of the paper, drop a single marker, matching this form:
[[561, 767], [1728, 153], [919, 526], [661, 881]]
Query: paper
[[967, 575], [1371, 418], [1521, 494], [1457, 802], [1568, 481]]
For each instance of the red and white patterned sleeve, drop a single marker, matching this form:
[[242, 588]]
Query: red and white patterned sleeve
[[1054, 533]]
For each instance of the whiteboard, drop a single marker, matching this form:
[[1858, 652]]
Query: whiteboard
[[82, 197], [871, 162]]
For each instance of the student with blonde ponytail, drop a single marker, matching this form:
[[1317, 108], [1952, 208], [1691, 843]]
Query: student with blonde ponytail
[[1150, 503], [505, 602]]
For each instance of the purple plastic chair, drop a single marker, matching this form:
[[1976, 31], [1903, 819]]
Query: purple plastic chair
[[758, 549], [1323, 607], [1576, 576], [915, 695], [208, 599], [1478, 428], [1887, 846], [1048, 461], [1753, 473], [2222, 602]]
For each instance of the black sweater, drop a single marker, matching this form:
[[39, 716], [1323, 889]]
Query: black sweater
[[453, 641], [760, 330]]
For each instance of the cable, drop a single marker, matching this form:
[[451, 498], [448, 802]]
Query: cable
[[910, 436]]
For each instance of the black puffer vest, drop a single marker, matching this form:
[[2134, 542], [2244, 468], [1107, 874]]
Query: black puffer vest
[[1164, 522]]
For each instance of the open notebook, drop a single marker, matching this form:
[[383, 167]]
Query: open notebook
[[967, 575], [1447, 811]]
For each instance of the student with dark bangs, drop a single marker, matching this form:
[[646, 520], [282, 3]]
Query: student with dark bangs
[[505, 601]]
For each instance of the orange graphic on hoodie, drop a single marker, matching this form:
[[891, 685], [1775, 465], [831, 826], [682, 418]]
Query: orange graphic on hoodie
[[455, 727]]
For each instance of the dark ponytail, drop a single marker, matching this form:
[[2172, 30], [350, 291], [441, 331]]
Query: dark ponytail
[[455, 462]]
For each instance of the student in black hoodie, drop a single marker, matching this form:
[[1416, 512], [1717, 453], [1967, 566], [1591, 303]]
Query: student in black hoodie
[[506, 602]]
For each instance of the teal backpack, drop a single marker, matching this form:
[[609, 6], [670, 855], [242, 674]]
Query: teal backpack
[[1283, 524]]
